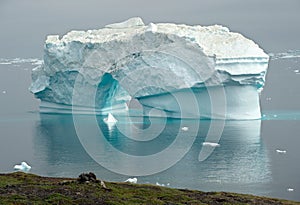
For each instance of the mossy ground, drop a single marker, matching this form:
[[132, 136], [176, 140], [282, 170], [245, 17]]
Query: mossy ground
[[21, 188]]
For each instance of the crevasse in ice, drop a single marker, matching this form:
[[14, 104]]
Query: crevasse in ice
[[173, 70]]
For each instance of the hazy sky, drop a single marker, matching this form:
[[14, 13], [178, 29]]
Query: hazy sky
[[274, 24]]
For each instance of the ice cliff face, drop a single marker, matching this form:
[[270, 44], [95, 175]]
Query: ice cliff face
[[151, 63]]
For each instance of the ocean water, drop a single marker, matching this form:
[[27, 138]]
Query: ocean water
[[245, 160]]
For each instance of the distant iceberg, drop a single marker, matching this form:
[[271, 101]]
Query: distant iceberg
[[15, 61], [285, 55], [173, 70]]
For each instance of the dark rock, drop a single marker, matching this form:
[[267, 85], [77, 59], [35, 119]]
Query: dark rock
[[92, 176], [87, 177]]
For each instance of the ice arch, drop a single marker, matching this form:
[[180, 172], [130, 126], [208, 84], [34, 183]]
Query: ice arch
[[154, 64]]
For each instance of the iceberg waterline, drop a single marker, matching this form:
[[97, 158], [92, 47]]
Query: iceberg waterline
[[171, 69]]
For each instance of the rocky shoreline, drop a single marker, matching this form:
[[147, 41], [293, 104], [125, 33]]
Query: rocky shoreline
[[24, 188]]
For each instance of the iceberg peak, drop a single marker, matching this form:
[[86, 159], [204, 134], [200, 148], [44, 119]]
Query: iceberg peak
[[132, 22]]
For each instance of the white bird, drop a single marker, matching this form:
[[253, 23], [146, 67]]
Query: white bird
[[212, 144], [131, 180], [281, 151], [184, 128], [110, 119], [24, 167], [290, 189]]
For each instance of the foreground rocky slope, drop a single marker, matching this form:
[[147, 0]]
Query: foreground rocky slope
[[21, 188]]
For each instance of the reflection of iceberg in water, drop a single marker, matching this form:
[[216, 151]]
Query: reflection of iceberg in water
[[57, 147], [239, 164], [241, 156]]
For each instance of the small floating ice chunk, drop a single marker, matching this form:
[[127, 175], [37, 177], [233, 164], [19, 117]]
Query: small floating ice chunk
[[274, 115], [158, 184], [290, 189], [281, 151], [184, 128], [110, 119], [24, 167], [296, 71], [4, 91], [211, 144], [131, 180]]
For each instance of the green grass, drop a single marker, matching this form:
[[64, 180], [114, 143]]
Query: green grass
[[21, 188]]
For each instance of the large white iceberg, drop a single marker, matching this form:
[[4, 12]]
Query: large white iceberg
[[172, 70]]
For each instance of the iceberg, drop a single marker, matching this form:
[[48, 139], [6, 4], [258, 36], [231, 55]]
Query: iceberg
[[131, 180], [212, 144], [24, 167], [173, 70]]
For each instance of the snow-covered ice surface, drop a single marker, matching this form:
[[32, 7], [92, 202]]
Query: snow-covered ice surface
[[171, 69]]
